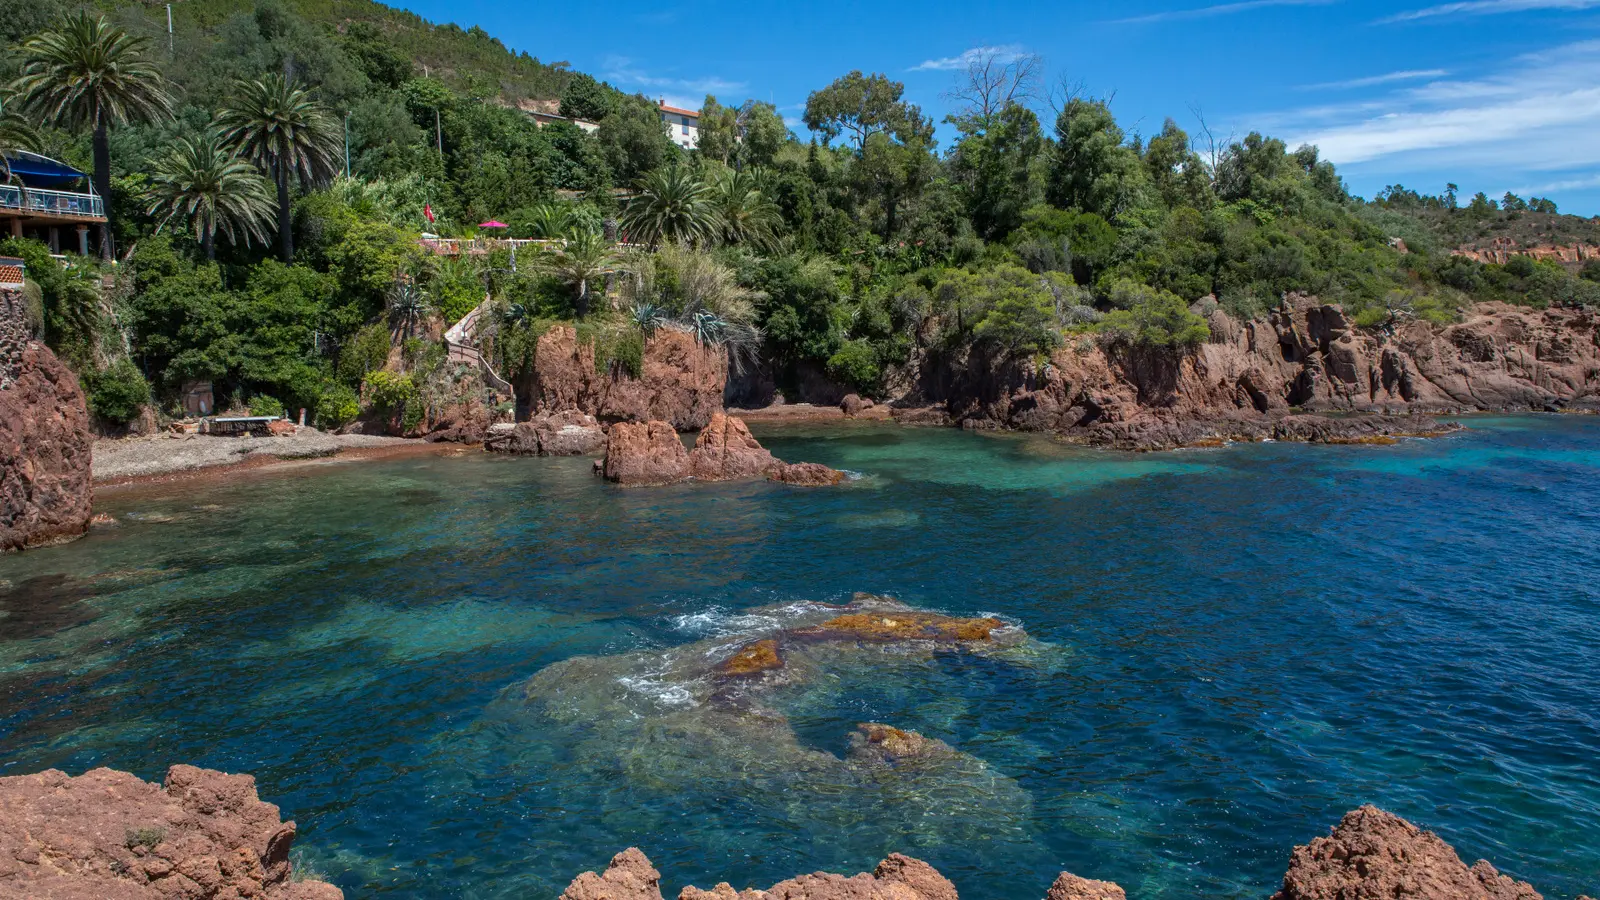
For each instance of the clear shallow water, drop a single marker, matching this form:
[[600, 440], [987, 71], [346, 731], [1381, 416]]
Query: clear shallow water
[[1234, 647]]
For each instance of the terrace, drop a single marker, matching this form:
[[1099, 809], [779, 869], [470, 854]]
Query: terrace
[[42, 196]]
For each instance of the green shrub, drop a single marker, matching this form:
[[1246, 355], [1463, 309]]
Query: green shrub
[[1152, 318], [855, 364], [148, 838], [117, 394], [388, 391], [262, 405], [337, 407], [367, 351]]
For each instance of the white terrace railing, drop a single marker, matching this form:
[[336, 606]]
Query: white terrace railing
[[483, 246], [56, 203]]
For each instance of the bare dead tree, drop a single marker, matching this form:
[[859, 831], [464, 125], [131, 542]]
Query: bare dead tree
[[1205, 143], [995, 78]]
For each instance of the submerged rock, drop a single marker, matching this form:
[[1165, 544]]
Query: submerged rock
[[904, 626], [872, 742], [751, 659], [1376, 854], [804, 474], [107, 834]]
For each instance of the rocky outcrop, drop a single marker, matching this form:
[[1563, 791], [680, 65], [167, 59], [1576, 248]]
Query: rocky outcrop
[[1068, 886], [629, 877], [205, 835], [1305, 356], [1501, 249], [567, 433], [644, 453], [652, 454], [45, 441], [1375, 854], [726, 451], [680, 381], [804, 474]]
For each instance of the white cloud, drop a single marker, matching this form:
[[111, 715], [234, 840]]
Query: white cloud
[[1220, 9], [1570, 184], [1488, 8], [1003, 54], [1374, 80], [620, 70], [1541, 113]]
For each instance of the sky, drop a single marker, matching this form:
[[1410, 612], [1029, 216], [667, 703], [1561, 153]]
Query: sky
[[1492, 95]]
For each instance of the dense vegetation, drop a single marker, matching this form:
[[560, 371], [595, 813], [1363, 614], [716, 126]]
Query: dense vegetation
[[269, 179]]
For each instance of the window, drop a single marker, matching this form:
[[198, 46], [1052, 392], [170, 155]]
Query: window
[[685, 124]]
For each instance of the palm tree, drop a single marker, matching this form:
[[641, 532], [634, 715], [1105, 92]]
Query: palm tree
[[87, 74], [16, 133], [282, 128], [674, 206], [747, 215], [207, 189], [585, 257], [549, 221]]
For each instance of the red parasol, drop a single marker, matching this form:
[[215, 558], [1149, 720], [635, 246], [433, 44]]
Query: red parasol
[[493, 224]]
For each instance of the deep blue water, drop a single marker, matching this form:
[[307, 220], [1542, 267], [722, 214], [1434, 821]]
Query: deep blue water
[[1233, 647]]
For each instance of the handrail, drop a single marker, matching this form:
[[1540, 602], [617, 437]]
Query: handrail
[[456, 246], [68, 203]]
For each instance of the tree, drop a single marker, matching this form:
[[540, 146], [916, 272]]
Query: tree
[[719, 131], [745, 213], [206, 189], [672, 205], [16, 133], [279, 126], [587, 99], [634, 140], [994, 163], [761, 132], [1093, 170], [87, 74], [862, 105], [994, 80], [1176, 172], [584, 258], [1152, 318]]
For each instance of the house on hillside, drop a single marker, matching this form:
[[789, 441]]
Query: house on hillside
[[46, 197], [682, 124], [544, 112]]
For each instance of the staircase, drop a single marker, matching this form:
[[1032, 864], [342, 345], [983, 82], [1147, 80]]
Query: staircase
[[461, 340]]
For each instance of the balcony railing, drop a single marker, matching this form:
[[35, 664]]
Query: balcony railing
[[51, 203]]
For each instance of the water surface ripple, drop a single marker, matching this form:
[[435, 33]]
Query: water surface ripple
[[1234, 646]]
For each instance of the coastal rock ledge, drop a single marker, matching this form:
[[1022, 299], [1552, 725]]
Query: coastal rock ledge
[[1370, 855], [204, 835], [650, 453]]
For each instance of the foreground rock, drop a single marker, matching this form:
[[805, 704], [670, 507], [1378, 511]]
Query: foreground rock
[[680, 381], [651, 453], [107, 834], [1248, 381], [1372, 853], [45, 440], [566, 433]]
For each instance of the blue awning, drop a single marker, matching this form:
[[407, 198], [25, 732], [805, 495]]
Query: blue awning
[[43, 172]]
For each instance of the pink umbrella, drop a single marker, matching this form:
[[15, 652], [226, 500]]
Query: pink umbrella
[[493, 224]]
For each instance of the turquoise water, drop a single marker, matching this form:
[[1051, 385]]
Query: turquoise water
[[472, 676]]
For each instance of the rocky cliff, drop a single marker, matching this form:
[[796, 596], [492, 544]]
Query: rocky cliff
[[680, 381], [1370, 855], [45, 441], [1281, 376], [204, 835]]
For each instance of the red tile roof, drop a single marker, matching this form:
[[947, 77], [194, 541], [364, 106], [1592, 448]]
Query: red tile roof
[[10, 274], [693, 114]]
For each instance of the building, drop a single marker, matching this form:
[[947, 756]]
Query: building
[[546, 112], [46, 198], [682, 124]]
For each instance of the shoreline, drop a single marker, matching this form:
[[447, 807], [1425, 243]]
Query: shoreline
[[264, 462]]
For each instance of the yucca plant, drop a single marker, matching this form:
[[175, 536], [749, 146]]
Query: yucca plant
[[206, 189]]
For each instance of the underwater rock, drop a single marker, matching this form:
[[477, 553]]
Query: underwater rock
[[1376, 854], [726, 451], [904, 626], [205, 836], [804, 474], [753, 658], [879, 744], [644, 453], [629, 877], [1068, 886]]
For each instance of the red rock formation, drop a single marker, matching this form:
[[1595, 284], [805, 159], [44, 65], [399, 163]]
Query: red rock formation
[[852, 405], [726, 451], [1501, 249], [804, 474], [1070, 887], [896, 878], [1304, 355], [45, 442], [205, 836], [1372, 854], [680, 381], [629, 877], [639, 453], [568, 433]]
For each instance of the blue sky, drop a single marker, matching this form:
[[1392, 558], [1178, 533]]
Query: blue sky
[[1494, 95]]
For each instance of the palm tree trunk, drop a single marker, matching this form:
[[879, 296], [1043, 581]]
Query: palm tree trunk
[[583, 298], [211, 239], [285, 238], [102, 182]]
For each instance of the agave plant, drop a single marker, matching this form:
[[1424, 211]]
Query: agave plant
[[648, 317], [408, 306]]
